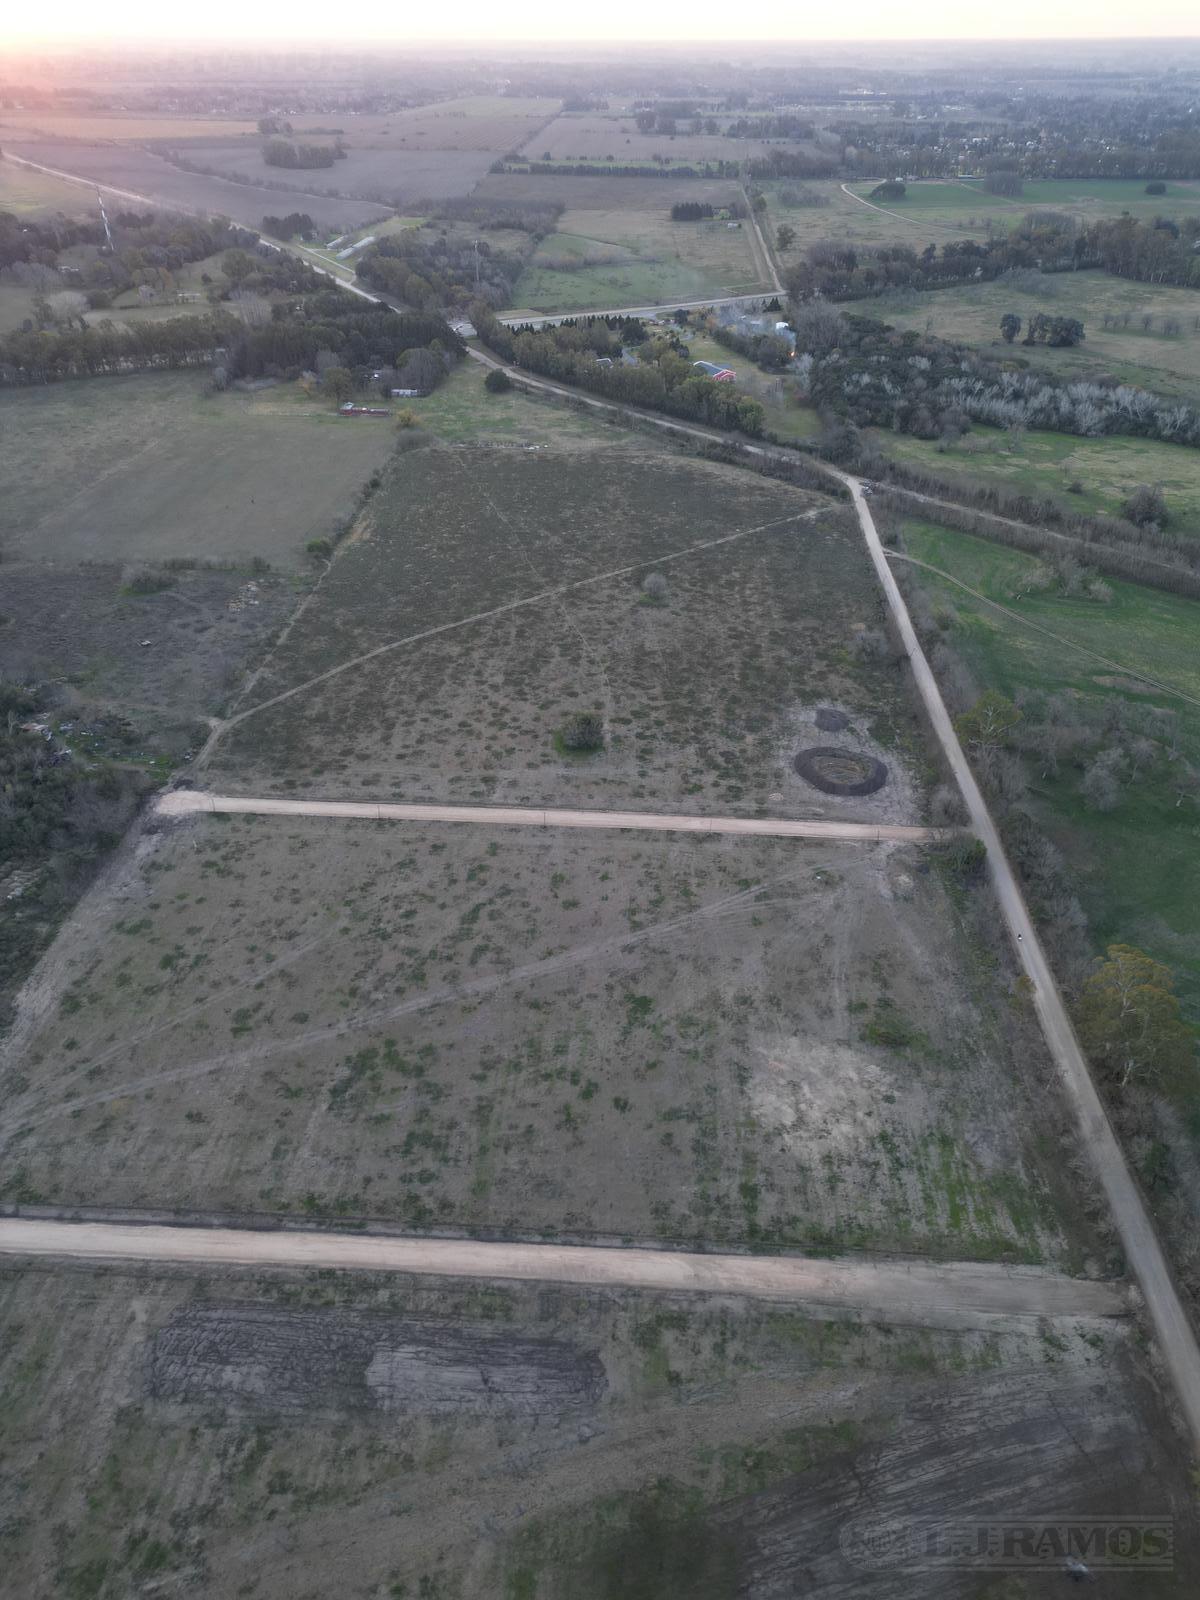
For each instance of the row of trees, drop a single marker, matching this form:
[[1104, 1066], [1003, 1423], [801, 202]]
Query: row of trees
[[661, 378], [1058, 332], [304, 157]]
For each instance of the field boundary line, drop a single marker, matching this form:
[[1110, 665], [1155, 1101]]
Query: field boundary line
[[1039, 627]]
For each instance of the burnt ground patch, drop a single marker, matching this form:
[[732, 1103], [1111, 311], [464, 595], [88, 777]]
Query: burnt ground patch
[[830, 720], [294, 1363], [844, 772]]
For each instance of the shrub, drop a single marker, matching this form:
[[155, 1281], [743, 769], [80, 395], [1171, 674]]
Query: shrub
[[497, 381], [654, 590], [406, 419], [1156, 186], [147, 582], [582, 733]]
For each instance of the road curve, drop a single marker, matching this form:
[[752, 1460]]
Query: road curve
[[186, 802], [1143, 1253], [919, 1294]]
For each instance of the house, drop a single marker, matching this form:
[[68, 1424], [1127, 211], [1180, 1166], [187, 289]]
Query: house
[[710, 369]]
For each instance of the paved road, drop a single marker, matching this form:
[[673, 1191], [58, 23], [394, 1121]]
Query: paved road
[[1144, 1254], [956, 1294], [186, 802]]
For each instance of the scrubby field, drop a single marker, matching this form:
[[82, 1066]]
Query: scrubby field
[[712, 1040], [1102, 471], [515, 576], [1128, 325], [150, 468], [301, 1436], [141, 174], [1134, 863]]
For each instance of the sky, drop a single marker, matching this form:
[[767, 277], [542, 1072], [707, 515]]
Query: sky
[[616, 22]]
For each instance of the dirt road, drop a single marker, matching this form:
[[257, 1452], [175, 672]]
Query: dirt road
[[185, 802], [911, 1293], [1144, 1254]]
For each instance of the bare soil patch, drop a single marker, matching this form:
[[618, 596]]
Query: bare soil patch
[[692, 1448]]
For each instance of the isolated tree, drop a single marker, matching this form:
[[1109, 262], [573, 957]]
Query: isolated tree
[[583, 732], [497, 381], [989, 722], [1145, 506], [785, 236], [1129, 1018], [1010, 327], [338, 384]]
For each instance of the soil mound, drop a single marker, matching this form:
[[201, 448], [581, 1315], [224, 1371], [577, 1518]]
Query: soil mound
[[843, 772]]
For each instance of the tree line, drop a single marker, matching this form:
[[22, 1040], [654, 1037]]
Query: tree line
[[661, 378], [283, 153]]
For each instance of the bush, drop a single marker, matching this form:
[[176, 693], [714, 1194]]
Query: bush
[[654, 590], [582, 733], [405, 419], [149, 582], [497, 381], [1156, 186]]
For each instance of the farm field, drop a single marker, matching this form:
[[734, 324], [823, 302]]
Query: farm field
[[150, 467], [1146, 355], [136, 129], [1044, 463], [601, 136], [493, 123], [140, 173], [461, 411], [458, 1440], [455, 533], [617, 246], [555, 1033], [1133, 864], [389, 176]]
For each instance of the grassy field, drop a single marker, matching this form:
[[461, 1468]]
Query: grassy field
[[934, 212], [635, 258], [951, 204], [27, 193], [150, 467], [158, 1427], [1133, 864], [1046, 464], [1128, 349]]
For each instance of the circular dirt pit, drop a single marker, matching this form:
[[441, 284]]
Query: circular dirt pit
[[843, 772], [831, 721]]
